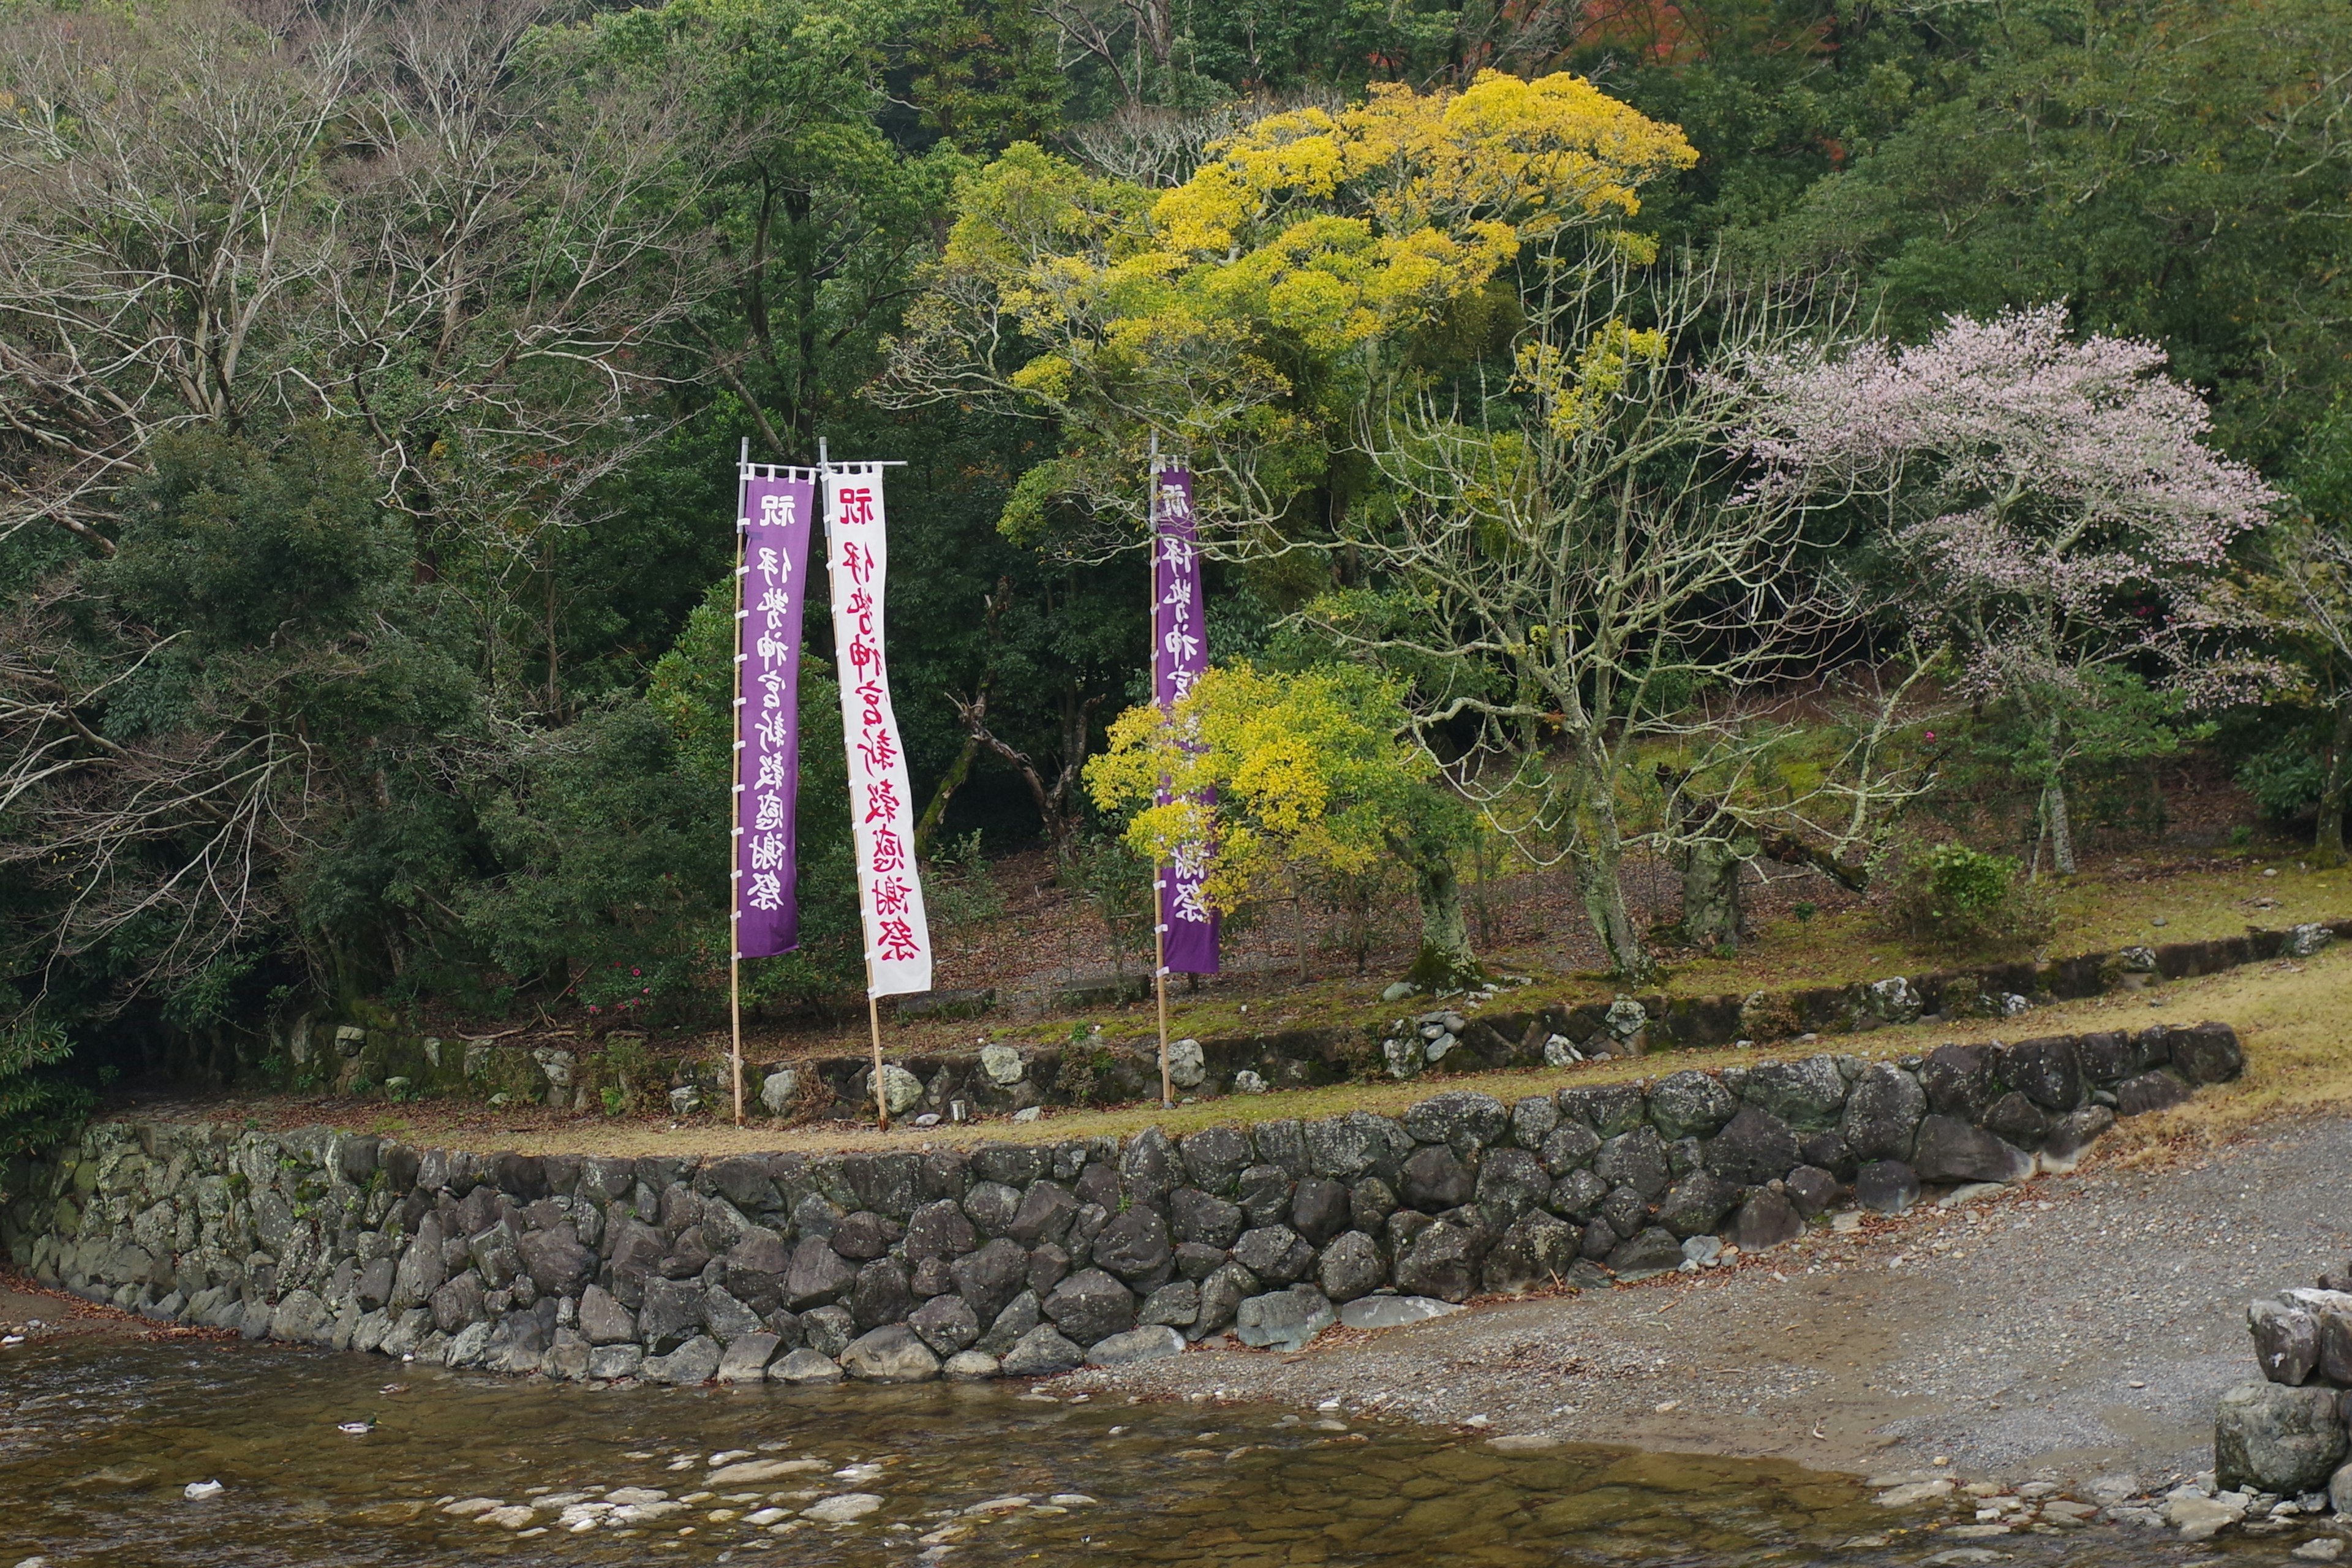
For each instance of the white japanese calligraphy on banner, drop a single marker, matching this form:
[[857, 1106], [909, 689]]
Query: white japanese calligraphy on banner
[[881, 811]]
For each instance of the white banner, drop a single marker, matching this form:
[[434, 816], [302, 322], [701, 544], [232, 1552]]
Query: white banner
[[881, 810]]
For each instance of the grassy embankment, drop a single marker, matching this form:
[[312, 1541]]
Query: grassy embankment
[[2295, 1020]]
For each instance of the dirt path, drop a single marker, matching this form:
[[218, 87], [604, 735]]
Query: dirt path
[[2077, 1326]]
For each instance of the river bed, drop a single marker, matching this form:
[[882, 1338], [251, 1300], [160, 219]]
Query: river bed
[[99, 1437]]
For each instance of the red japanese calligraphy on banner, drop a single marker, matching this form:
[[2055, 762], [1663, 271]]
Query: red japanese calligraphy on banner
[[889, 892]]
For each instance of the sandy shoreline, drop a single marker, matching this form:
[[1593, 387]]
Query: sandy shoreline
[[2076, 1326]]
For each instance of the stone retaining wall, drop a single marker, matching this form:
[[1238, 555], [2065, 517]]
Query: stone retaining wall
[[1478, 1032], [1023, 1259]]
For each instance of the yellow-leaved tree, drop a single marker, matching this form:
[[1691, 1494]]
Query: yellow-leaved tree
[[1316, 769], [1316, 261]]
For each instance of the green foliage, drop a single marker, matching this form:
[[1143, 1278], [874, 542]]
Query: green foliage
[[1965, 901], [2285, 780], [41, 1103]]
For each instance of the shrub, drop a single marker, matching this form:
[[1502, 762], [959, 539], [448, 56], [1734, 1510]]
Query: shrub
[[39, 1104], [1966, 900]]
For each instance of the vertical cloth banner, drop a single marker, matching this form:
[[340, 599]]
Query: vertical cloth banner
[[1180, 654], [778, 504], [881, 811]]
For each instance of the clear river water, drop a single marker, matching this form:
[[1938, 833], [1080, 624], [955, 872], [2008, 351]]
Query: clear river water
[[100, 1439]]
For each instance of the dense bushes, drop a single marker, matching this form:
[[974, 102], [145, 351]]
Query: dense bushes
[[1964, 900]]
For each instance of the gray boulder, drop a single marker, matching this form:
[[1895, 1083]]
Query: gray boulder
[[1045, 1215], [2209, 1052], [695, 1361], [1441, 1261], [607, 1363], [2076, 1131], [1533, 1120], [892, 1353], [1636, 1159], [1042, 1352], [1609, 1108], [2148, 1092], [1203, 1218], [1134, 1245], [727, 1319], [991, 1206], [1275, 1253], [1882, 1113], [671, 1314], [991, 1277], [946, 1324], [2047, 1071], [1282, 1319], [1697, 1204], [1356, 1144], [1214, 1157], [1813, 1191], [1961, 1080], [970, 1366], [301, 1319], [1570, 1146], [1350, 1266], [1754, 1147], [746, 1360], [1176, 1304], [804, 1366], [1464, 1121], [1435, 1179], [1221, 1294], [558, 1265], [2270, 1438], [1511, 1181], [1689, 1104], [819, 1275], [1578, 1195], [603, 1320], [1090, 1305], [828, 1330], [2287, 1342], [2016, 1120], [1147, 1343], [1951, 1151], [1808, 1095], [1654, 1251], [1536, 1252], [940, 1230], [1886, 1186], [1021, 1314], [1319, 1209], [1765, 1220]]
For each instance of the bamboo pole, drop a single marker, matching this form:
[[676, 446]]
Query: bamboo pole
[[735, 804], [1158, 903], [874, 1025]]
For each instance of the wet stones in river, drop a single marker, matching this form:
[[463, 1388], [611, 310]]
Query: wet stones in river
[[695, 1361], [1091, 1305], [1886, 1186], [1950, 1150], [970, 1366], [2274, 1438], [892, 1353], [746, 1359], [1149, 1342], [804, 1366], [1282, 1319], [608, 1363]]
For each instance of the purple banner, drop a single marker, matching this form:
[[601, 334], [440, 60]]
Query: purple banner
[[773, 585], [1179, 652]]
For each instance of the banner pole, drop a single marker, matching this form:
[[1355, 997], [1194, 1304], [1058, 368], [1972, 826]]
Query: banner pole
[[1159, 904], [735, 804]]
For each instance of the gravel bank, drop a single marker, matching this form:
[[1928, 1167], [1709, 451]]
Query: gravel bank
[[2074, 1326]]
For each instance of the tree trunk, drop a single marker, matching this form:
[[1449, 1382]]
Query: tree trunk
[[1445, 961], [2327, 843], [2061, 832], [1714, 916], [926, 827], [1598, 857]]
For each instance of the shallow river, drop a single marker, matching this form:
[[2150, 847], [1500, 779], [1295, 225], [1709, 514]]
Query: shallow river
[[99, 1439]]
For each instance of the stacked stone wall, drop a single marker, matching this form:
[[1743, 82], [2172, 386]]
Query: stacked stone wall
[[1025, 1259]]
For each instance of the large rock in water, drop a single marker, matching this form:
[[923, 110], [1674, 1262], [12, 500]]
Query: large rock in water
[[2270, 1438]]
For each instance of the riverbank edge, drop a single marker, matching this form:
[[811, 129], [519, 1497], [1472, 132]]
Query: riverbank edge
[[1028, 1261]]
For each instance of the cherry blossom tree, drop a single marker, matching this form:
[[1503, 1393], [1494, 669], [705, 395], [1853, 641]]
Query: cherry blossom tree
[[2054, 509]]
